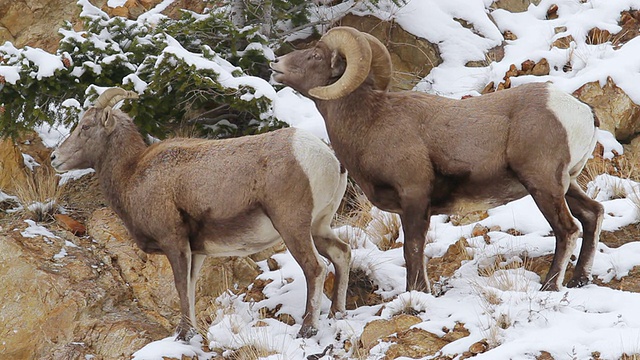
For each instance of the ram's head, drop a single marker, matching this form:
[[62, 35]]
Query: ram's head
[[339, 63]]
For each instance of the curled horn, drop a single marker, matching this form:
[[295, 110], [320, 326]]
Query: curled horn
[[354, 46], [381, 67], [112, 96]]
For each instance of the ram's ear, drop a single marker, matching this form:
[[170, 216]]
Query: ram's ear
[[108, 120], [337, 64]]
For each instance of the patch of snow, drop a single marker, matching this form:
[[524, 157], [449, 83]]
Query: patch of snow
[[73, 175], [169, 348], [29, 161], [35, 230]]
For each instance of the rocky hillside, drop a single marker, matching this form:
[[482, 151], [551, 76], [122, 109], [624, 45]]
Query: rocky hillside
[[74, 286]]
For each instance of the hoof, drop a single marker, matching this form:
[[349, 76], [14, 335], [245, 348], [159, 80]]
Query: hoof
[[338, 315], [549, 287], [307, 331], [578, 282], [420, 287], [185, 336]]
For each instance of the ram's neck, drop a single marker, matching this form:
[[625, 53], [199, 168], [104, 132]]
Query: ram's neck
[[116, 168], [350, 117]]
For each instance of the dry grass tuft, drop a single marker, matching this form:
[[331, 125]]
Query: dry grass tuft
[[381, 227], [622, 166], [355, 209], [630, 357], [501, 278], [39, 195], [250, 352]]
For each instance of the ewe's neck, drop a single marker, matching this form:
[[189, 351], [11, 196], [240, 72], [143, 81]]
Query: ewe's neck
[[124, 149]]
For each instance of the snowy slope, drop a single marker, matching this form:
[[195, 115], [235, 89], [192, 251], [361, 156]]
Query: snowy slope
[[570, 324]]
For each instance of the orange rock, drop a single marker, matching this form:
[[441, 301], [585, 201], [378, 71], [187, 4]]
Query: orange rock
[[526, 67], [489, 88], [513, 71], [541, 68], [70, 224], [479, 347], [563, 42], [508, 35], [479, 230]]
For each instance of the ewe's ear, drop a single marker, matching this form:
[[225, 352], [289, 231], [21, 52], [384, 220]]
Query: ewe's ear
[[108, 120], [337, 64]]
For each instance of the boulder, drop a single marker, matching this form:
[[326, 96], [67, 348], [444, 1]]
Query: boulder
[[415, 344], [66, 307], [378, 329], [514, 5], [12, 169], [30, 22], [618, 114], [412, 57]]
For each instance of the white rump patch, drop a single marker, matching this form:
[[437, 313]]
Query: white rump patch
[[320, 165], [577, 120]]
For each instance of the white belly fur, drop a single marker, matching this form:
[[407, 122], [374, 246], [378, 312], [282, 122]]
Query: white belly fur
[[254, 238]]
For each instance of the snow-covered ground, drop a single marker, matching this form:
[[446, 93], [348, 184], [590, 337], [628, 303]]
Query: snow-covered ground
[[570, 324]]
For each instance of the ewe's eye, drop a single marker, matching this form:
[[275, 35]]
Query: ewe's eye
[[85, 127], [317, 56]]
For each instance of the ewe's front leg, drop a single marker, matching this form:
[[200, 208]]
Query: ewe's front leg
[[339, 253], [180, 261]]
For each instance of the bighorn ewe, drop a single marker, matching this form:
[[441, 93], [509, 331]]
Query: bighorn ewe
[[416, 154], [188, 198]]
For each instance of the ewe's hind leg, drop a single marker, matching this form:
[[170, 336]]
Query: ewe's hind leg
[[339, 253], [196, 264], [590, 213]]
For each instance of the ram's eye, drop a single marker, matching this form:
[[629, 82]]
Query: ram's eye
[[85, 127], [317, 56]]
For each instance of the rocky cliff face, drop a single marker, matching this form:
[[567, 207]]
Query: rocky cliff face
[[30, 22], [65, 297]]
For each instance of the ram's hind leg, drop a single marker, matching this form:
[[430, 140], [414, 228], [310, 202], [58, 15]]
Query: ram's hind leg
[[339, 253], [548, 188], [415, 224], [590, 213]]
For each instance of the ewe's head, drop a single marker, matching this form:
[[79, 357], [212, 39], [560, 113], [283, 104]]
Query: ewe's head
[[336, 66], [89, 139]]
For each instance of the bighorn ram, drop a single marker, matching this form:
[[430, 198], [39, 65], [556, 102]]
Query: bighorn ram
[[188, 198], [416, 154]]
